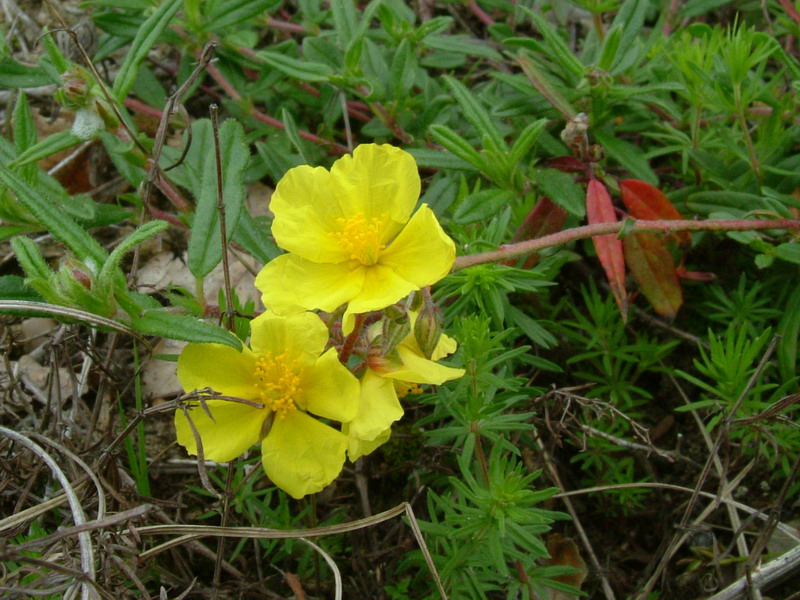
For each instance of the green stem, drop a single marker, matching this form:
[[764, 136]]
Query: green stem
[[508, 251]]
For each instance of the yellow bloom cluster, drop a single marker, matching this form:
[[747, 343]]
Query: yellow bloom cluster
[[353, 242]]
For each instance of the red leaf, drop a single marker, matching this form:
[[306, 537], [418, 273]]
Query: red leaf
[[599, 209], [545, 218], [653, 268], [567, 164], [694, 275], [644, 201]]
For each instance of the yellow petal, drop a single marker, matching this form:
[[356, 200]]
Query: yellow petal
[[219, 367], [301, 455], [357, 448], [422, 253], [377, 180], [329, 389], [235, 428], [291, 284], [305, 214], [378, 408], [418, 369], [381, 287], [444, 347], [299, 333]]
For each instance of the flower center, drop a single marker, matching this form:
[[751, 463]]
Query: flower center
[[361, 237], [279, 379]]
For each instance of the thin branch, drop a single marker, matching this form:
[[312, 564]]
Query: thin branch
[[629, 226]]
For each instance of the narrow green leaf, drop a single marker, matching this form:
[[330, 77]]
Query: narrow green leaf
[[628, 155], [561, 188], [293, 134], [402, 72], [461, 44], [345, 20], [47, 147], [475, 113], [63, 228], [15, 75], [205, 247], [436, 159], [183, 327], [57, 59], [299, 69], [30, 258], [789, 330], [788, 251], [458, 146], [610, 49], [560, 52], [254, 237], [109, 270], [482, 205], [25, 135], [234, 12], [13, 287], [526, 139], [145, 39]]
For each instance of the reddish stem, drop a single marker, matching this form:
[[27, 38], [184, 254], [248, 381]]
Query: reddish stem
[[269, 120], [507, 251], [350, 340]]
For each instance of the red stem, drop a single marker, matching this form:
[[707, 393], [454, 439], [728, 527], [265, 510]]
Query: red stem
[[507, 251], [350, 341]]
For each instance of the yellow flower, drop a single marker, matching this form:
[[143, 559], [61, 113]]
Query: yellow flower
[[378, 405], [284, 375], [350, 236]]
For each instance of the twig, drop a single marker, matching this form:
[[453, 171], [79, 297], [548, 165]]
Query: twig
[[508, 251], [223, 233], [775, 570]]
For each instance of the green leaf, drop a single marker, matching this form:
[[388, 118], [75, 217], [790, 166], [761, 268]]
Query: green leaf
[[402, 72], [610, 48], [345, 20], [458, 146], [183, 327], [145, 39], [47, 147], [205, 247], [290, 128], [30, 258], [109, 271], [233, 12], [482, 205], [789, 251], [25, 135], [628, 155], [13, 287], [560, 52], [253, 236], [16, 75], [438, 159], [526, 139], [461, 44], [63, 228], [475, 113], [789, 330], [299, 69], [561, 188]]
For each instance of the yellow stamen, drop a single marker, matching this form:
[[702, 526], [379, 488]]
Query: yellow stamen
[[404, 388], [279, 379], [361, 237]]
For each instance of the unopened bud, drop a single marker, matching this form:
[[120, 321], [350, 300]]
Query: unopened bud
[[428, 329], [392, 333]]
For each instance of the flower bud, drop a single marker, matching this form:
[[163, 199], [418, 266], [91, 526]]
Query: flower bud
[[428, 329]]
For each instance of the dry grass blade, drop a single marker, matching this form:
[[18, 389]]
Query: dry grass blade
[[337, 576], [78, 516], [64, 311], [192, 532]]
